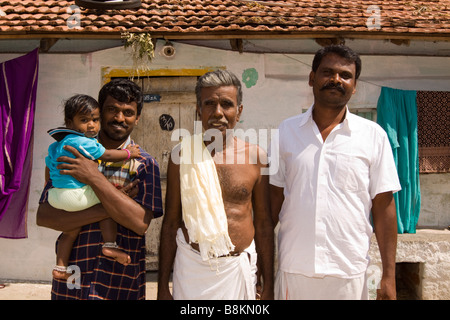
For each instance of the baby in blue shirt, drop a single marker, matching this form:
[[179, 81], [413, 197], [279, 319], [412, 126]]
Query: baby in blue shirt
[[82, 120]]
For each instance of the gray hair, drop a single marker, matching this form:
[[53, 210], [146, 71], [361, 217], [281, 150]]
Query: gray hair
[[218, 78]]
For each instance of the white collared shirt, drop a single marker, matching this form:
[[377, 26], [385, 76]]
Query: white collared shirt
[[325, 226]]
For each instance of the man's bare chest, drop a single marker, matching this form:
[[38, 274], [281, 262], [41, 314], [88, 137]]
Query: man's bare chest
[[236, 181]]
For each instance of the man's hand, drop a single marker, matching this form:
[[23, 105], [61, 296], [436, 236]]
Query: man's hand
[[122, 209], [387, 290], [164, 295], [79, 167], [131, 189]]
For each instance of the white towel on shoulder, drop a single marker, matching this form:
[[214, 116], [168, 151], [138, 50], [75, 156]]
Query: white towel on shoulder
[[201, 197]]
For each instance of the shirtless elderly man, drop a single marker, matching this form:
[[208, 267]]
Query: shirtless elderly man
[[217, 217]]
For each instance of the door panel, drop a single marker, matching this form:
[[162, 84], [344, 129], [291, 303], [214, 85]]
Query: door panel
[[172, 107]]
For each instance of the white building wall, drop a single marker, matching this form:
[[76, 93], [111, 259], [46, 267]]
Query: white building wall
[[281, 91]]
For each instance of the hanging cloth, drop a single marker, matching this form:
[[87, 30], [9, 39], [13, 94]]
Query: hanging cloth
[[433, 115], [397, 114], [18, 86]]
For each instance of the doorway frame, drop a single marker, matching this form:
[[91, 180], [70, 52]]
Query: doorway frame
[[107, 73], [124, 72]]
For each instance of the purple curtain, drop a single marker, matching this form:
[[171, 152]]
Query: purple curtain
[[18, 86]]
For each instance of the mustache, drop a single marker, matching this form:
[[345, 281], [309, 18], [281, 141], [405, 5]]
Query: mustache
[[217, 122], [121, 124], [331, 85]]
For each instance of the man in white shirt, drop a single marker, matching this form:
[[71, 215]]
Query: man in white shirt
[[335, 169]]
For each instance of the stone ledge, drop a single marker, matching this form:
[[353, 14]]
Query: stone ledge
[[425, 235], [428, 248]]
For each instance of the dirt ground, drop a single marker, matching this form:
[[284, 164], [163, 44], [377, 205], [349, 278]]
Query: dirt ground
[[21, 290]]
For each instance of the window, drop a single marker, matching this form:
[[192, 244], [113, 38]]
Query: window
[[433, 123]]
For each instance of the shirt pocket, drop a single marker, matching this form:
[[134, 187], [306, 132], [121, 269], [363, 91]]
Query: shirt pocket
[[350, 173]]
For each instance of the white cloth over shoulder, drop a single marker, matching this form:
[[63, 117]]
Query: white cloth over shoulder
[[201, 197], [224, 278]]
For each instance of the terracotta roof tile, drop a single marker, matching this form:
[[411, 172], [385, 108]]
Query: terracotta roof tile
[[210, 17]]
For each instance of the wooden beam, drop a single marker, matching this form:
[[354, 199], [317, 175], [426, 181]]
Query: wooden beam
[[46, 44], [329, 41], [237, 45], [235, 35]]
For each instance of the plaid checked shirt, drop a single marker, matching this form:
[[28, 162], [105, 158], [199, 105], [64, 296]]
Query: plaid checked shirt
[[101, 276]]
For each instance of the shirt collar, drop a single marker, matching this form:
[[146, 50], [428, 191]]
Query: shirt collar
[[306, 117], [349, 121], [125, 144]]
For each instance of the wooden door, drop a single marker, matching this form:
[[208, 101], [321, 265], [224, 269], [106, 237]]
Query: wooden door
[[169, 104]]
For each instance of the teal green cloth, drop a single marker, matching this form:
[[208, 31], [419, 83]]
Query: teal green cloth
[[397, 114]]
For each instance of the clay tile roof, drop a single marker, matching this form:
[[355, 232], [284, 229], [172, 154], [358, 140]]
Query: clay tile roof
[[213, 18]]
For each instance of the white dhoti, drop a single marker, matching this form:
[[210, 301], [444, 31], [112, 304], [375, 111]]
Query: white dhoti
[[291, 286], [223, 278]]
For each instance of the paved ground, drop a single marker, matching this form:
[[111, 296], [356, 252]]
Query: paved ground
[[15, 290]]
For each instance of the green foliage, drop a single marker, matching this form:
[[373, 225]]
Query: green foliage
[[142, 49]]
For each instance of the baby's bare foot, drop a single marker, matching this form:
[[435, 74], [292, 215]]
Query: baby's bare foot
[[112, 251], [60, 272]]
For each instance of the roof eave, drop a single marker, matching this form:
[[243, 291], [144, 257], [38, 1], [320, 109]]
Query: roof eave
[[375, 35]]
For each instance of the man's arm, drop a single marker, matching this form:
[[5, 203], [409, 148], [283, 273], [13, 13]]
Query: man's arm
[[117, 204], [264, 239], [385, 225], [172, 221], [60, 220], [46, 175], [276, 201]]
